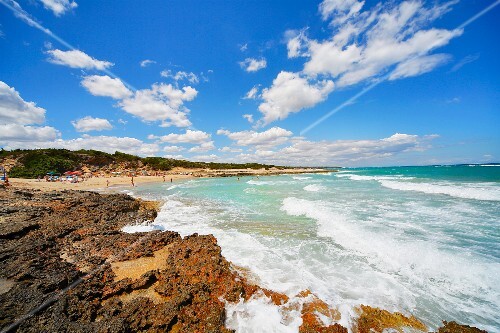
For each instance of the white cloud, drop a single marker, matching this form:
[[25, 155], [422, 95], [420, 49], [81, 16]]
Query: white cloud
[[291, 93], [205, 146], [340, 10], [249, 118], [296, 43], [89, 123], [196, 137], [14, 110], [205, 158], [173, 149], [175, 157], [366, 44], [59, 7], [162, 102], [147, 62], [123, 122], [418, 66], [103, 85], [181, 75], [76, 59], [341, 152], [363, 45], [108, 144], [21, 133], [252, 93], [272, 137], [230, 150], [253, 65]]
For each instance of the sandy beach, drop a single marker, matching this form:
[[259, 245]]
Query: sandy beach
[[100, 183], [90, 184]]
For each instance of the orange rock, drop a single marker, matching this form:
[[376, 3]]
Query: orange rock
[[376, 320]]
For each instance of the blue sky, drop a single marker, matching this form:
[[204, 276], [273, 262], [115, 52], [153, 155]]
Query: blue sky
[[245, 81]]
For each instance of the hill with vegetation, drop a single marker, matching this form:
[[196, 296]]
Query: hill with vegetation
[[23, 163]]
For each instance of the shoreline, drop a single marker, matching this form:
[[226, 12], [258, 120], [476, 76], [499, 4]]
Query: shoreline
[[100, 183], [139, 281]]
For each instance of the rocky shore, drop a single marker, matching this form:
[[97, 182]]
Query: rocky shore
[[65, 266]]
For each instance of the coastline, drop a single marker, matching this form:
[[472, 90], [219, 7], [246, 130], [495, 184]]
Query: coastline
[[100, 183], [140, 281]]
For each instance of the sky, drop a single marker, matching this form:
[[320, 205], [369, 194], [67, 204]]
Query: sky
[[309, 83]]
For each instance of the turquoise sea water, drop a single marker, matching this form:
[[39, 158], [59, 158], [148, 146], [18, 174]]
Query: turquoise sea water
[[419, 240]]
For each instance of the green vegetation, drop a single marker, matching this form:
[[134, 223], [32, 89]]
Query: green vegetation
[[34, 163]]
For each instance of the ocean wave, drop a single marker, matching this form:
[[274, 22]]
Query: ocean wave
[[301, 177], [360, 177], [469, 191], [314, 188]]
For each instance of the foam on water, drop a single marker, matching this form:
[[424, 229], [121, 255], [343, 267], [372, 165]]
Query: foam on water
[[259, 314], [301, 177], [433, 256], [465, 191], [314, 188]]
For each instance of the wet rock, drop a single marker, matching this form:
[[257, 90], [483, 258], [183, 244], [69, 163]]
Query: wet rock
[[453, 327], [376, 320]]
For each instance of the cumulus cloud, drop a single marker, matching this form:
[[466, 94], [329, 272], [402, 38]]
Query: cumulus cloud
[[181, 75], [87, 124], [252, 93], [205, 146], [147, 62], [196, 137], [15, 110], [173, 149], [253, 65], [272, 137], [340, 10], [249, 118], [303, 152], [59, 7], [387, 41], [76, 59], [366, 44], [27, 134], [108, 144], [290, 93], [103, 85], [163, 102], [230, 150], [205, 158]]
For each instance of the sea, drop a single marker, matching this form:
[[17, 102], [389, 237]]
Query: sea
[[424, 241]]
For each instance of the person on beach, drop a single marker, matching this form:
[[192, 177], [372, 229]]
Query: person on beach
[[107, 183], [171, 180], [163, 178], [132, 181]]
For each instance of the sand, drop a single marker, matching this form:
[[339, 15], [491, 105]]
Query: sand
[[101, 183], [92, 183]]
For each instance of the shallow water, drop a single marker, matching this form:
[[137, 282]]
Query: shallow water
[[420, 240]]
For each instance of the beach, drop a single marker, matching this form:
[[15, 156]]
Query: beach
[[109, 181]]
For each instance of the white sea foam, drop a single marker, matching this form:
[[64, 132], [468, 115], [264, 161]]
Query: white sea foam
[[314, 188], [482, 191], [301, 177], [143, 227], [360, 177], [363, 254], [399, 263], [259, 314]]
